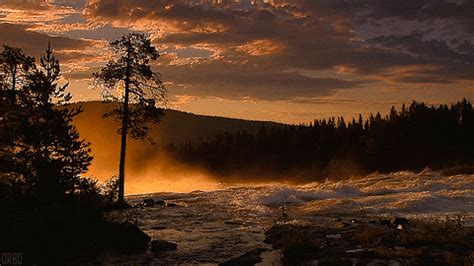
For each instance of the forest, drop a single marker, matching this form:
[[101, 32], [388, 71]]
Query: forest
[[415, 137], [52, 212]]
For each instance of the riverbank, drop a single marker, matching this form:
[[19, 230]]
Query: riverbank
[[363, 241]]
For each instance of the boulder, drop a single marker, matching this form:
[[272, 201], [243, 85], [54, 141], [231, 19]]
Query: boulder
[[136, 238], [158, 246], [171, 205], [148, 202], [125, 236], [160, 202]]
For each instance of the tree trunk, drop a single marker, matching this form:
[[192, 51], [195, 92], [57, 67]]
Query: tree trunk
[[123, 150], [125, 117]]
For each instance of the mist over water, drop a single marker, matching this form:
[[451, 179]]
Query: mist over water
[[405, 193], [178, 183], [159, 175], [149, 167]]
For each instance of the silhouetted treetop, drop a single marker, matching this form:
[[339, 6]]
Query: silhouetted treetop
[[131, 64], [128, 78], [13, 62], [45, 153], [413, 138]]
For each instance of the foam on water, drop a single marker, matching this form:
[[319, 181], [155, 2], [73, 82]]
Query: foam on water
[[213, 226], [427, 193]]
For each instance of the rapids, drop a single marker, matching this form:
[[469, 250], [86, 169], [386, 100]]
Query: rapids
[[214, 226]]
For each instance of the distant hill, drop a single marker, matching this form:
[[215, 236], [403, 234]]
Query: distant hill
[[176, 127]]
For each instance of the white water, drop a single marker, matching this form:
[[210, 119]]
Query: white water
[[211, 227]]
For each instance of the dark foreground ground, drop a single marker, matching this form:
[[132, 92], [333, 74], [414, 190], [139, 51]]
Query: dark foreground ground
[[349, 241], [377, 241]]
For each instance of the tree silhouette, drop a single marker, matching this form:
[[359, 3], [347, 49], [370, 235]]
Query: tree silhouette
[[42, 159], [49, 154], [141, 92], [411, 139], [13, 62], [13, 65]]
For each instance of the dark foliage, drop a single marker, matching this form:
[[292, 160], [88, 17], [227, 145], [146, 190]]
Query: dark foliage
[[14, 65], [415, 137], [143, 91], [49, 211], [131, 68], [46, 155]]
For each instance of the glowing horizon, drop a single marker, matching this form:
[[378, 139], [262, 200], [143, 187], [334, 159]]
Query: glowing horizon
[[284, 61]]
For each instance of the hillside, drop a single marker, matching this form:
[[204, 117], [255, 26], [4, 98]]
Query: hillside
[[176, 127]]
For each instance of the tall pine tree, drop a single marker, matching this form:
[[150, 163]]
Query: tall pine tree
[[140, 91]]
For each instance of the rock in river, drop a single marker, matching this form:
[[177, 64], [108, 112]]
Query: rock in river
[[148, 202]]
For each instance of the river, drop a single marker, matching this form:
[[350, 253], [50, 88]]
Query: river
[[213, 226]]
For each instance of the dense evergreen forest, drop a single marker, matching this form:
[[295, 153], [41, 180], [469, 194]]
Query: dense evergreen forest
[[415, 137]]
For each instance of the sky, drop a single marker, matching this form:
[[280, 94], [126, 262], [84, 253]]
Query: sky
[[281, 60]]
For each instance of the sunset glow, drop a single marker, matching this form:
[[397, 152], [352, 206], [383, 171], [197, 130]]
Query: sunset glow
[[237, 132], [289, 61]]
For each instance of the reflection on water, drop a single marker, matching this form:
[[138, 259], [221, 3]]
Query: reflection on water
[[213, 226]]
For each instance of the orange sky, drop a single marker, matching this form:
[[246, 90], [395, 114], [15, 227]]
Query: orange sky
[[288, 61]]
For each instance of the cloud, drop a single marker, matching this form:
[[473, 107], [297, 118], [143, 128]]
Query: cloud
[[35, 12], [78, 57], [25, 5], [242, 81], [34, 43], [414, 44], [315, 34], [237, 50], [419, 9]]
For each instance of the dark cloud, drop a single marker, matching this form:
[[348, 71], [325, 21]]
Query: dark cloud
[[243, 81], [419, 9], [34, 43], [77, 4], [102, 32], [316, 29], [42, 4], [315, 35], [415, 45], [81, 74], [25, 5]]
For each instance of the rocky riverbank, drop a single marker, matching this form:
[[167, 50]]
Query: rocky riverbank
[[395, 241], [357, 241], [330, 221]]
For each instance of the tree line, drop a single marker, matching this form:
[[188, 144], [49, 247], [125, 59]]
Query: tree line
[[415, 137]]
